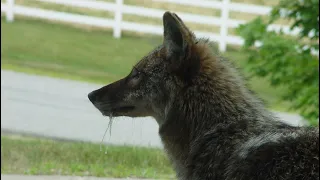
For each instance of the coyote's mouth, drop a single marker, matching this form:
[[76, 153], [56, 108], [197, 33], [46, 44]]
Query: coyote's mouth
[[123, 109], [117, 111]]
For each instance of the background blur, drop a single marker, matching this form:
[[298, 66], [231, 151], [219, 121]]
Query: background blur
[[54, 52]]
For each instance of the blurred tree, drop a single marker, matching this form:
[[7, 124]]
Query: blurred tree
[[286, 60]]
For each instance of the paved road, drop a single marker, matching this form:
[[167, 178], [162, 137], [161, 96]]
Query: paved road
[[54, 177], [60, 109]]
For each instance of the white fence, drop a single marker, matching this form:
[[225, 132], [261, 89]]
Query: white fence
[[119, 8]]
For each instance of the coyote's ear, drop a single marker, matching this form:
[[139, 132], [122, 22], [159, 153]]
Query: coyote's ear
[[178, 40]]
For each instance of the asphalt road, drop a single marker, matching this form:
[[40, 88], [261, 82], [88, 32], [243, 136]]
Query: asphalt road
[[60, 109]]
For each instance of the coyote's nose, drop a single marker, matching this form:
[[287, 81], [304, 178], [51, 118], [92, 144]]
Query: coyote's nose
[[92, 96]]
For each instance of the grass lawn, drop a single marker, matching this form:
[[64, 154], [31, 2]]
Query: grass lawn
[[34, 156], [91, 54]]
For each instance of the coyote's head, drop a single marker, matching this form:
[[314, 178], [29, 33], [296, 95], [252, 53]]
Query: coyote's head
[[159, 77]]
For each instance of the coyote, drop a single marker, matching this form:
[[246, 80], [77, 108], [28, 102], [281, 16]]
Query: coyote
[[212, 127]]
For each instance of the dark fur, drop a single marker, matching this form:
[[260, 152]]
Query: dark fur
[[211, 125]]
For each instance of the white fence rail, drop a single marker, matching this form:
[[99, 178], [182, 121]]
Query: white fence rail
[[119, 8]]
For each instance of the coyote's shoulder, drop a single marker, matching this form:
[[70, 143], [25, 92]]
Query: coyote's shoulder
[[211, 125]]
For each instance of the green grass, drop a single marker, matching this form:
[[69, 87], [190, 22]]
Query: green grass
[[34, 156], [66, 49], [91, 54]]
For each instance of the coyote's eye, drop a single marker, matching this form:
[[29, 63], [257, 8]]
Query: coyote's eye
[[134, 77], [135, 73]]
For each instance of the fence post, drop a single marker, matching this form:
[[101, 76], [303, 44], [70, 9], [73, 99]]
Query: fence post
[[10, 12], [224, 25], [118, 19]]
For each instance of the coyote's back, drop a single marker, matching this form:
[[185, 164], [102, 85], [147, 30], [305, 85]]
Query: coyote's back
[[211, 125], [287, 154]]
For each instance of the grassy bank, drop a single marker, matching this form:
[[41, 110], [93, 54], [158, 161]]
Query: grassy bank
[[33, 156]]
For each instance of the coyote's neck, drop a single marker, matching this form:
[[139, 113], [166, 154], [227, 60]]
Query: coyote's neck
[[192, 115]]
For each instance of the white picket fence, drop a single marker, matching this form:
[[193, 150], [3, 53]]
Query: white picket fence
[[119, 8]]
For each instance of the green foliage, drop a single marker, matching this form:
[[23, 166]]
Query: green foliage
[[305, 14], [286, 60]]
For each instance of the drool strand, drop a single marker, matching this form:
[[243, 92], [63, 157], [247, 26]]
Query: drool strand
[[105, 132]]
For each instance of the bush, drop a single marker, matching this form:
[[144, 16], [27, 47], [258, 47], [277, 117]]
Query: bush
[[285, 60]]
